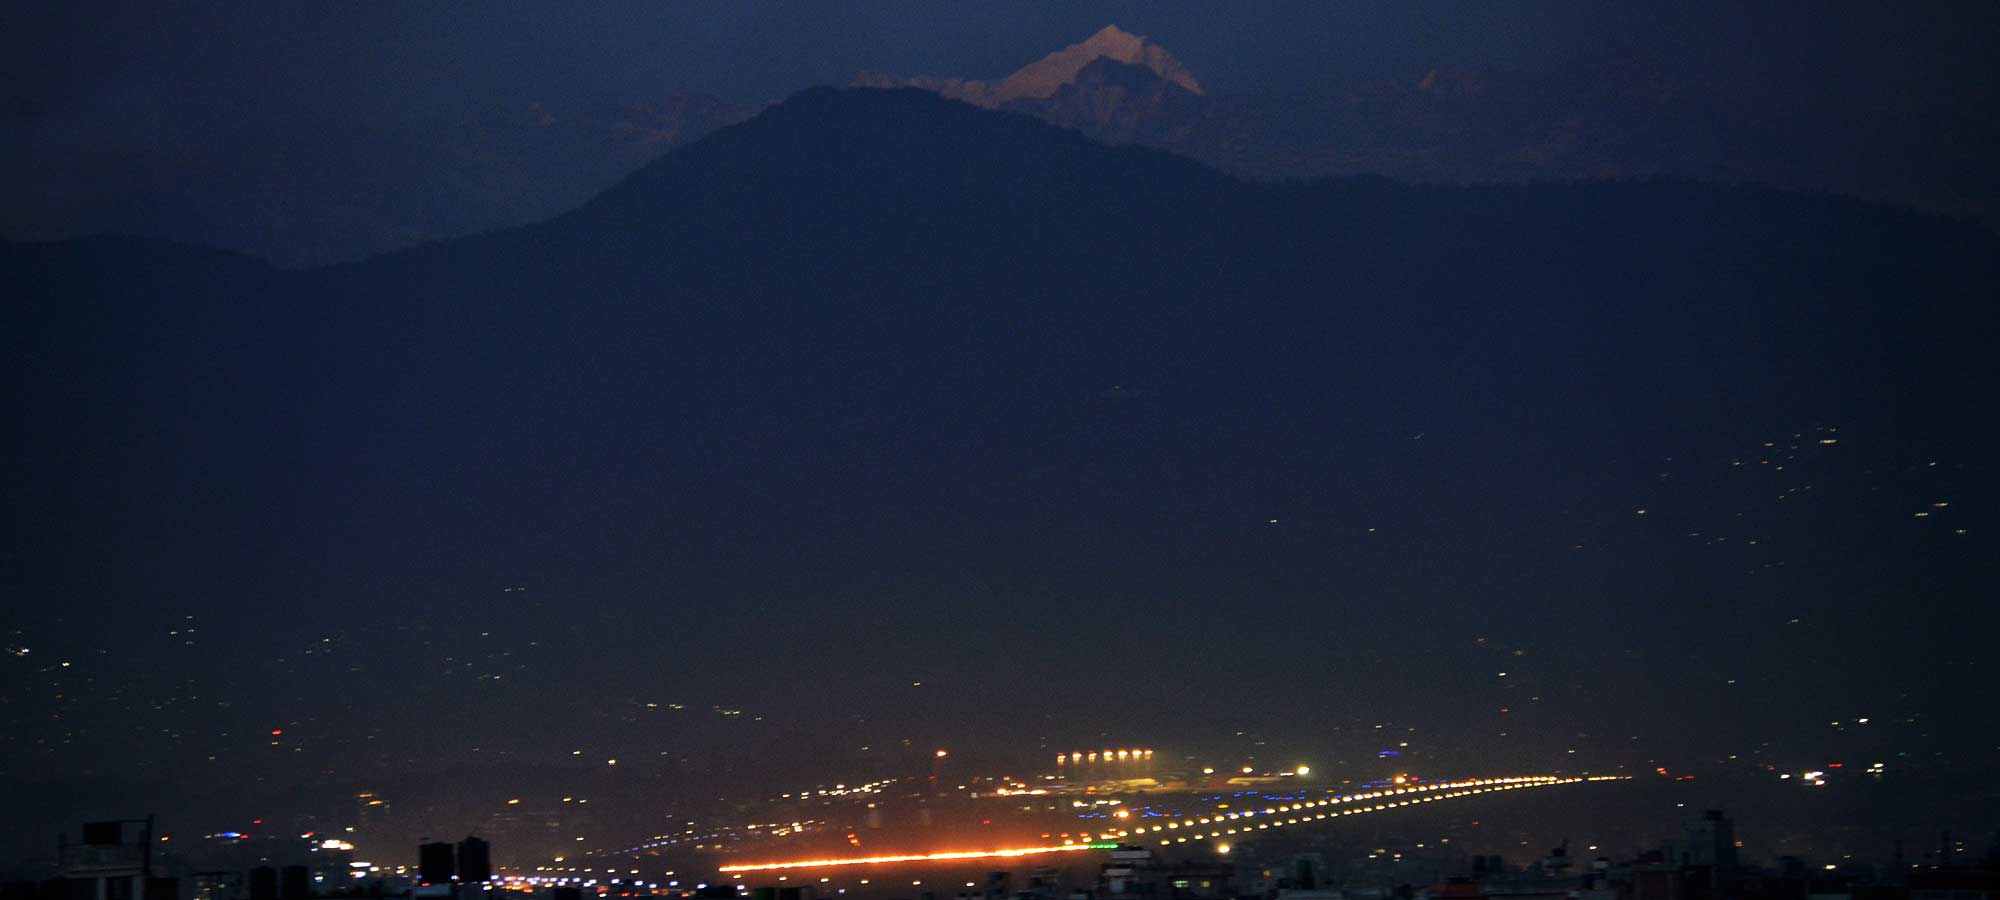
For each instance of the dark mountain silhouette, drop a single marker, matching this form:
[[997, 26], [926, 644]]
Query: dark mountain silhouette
[[1615, 113], [299, 196], [1124, 103], [948, 373], [313, 196], [1062, 69]]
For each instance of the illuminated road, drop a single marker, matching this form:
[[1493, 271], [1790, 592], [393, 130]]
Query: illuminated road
[[1217, 824]]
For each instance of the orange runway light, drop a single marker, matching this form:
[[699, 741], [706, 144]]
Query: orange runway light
[[912, 857]]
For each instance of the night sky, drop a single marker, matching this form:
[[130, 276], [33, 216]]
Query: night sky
[[876, 423], [268, 66]]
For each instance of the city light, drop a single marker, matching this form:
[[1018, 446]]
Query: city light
[[1120, 754]]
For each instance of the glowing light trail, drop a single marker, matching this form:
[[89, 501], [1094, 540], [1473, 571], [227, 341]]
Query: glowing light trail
[[913, 857], [1302, 812]]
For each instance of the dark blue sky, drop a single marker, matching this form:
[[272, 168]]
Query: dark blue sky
[[278, 65]]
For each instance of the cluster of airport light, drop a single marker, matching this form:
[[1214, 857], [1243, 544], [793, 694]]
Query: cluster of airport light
[[534, 882], [668, 840], [1222, 822], [363, 869], [1305, 812], [662, 841], [1817, 777], [842, 790], [1010, 787], [1088, 757]]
